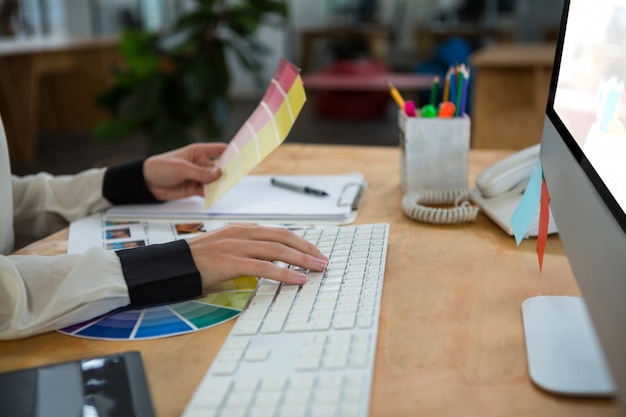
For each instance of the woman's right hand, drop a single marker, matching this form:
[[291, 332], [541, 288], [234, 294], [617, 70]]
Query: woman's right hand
[[248, 250]]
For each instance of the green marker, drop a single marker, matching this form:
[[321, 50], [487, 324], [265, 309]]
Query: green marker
[[434, 91], [459, 92], [429, 111]]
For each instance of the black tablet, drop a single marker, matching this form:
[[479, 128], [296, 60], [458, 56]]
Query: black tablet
[[108, 386]]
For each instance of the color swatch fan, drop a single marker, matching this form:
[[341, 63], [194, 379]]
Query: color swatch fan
[[265, 129], [171, 319]]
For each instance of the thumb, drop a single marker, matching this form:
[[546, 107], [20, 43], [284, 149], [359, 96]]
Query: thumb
[[204, 175]]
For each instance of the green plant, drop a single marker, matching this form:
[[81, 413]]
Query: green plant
[[175, 83]]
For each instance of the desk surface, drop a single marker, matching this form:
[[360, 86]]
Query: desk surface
[[450, 342], [515, 55]]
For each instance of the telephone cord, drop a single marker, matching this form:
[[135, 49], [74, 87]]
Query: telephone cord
[[413, 206]]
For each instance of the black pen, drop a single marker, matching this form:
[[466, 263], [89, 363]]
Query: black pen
[[298, 188]]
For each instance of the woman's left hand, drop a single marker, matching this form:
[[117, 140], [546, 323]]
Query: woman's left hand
[[183, 172]]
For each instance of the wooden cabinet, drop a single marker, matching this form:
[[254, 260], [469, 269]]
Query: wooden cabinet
[[510, 93], [50, 85]]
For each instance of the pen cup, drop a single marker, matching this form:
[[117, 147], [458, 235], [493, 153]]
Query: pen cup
[[434, 152]]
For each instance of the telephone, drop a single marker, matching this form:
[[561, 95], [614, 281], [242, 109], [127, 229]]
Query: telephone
[[500, 187]]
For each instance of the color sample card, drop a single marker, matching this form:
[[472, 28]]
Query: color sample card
[[264, 131]]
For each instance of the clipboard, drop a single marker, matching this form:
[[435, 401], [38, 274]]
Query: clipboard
[[351, 195], [255, 199]]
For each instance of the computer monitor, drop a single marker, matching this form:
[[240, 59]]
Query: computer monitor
[[583, 155]]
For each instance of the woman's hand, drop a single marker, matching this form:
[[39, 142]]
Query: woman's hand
[[248, 250], [182, 172]]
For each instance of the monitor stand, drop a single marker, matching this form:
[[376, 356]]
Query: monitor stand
[[564, 355]]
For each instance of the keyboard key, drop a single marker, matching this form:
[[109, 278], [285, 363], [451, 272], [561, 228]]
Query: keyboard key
[[224, 368], [307, 364], [257, 354], [211, 394]]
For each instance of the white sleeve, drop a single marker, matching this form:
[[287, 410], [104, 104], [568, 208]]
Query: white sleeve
[[44, 293], [43, 203]]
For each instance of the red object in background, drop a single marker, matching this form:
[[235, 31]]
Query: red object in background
[[359, 100]]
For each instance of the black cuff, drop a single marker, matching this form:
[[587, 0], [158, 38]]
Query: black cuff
[[125, 184], [163, 273]]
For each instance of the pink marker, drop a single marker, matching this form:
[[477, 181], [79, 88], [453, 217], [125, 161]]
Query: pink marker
[[409, 108]]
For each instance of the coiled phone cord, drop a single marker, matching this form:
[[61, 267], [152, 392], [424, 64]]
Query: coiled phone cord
[[413, 206]]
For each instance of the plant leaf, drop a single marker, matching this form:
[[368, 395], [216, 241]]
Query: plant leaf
[[138, 50]]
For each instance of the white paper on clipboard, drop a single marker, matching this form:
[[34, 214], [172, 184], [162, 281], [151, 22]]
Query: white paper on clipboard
[[254, 198]]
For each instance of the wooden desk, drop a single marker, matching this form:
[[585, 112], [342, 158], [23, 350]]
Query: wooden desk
[[450, 338], [510, 93], [376, 38], [427, 37], [51, 85]]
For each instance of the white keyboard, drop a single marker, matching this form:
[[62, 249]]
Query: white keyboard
[[305, 350]]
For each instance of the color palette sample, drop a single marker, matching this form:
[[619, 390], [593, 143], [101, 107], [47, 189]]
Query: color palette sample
[[265, 129], [213, 308]]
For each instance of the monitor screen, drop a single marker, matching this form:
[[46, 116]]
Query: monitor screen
[[589, 97], [583, 155]]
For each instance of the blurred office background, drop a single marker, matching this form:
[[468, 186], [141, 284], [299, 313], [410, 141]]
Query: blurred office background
[[507, 43]]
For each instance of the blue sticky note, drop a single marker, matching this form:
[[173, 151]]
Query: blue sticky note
[[528, 205]]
